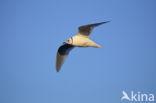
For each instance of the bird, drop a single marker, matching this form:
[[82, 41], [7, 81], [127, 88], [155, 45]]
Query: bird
[[81, 39], [125, 96]]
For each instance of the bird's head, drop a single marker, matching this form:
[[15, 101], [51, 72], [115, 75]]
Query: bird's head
[[69, 41]]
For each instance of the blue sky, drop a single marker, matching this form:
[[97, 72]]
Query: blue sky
[[32, 31]]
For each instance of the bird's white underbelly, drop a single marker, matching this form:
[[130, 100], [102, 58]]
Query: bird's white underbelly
[[81, 41]]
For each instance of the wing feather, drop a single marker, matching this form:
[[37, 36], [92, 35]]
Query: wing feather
[[86, 30], [62, 54]]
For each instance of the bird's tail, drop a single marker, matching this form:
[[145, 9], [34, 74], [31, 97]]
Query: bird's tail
[[93, 44], [97, 46]]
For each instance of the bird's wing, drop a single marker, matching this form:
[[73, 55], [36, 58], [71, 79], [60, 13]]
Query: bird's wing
[[87, 29], [62, 53]]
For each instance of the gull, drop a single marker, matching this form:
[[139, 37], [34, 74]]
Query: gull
[[81, 39]]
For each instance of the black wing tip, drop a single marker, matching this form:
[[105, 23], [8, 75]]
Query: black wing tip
[[108, 21], [100, 23], [57, 70], [105, 22]]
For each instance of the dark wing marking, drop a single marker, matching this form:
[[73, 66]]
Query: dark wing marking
[[62, 53], [87, 29]]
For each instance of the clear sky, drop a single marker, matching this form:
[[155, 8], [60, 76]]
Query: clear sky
[[31, 31]]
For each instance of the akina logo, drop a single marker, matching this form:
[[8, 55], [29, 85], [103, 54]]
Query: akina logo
[[137, 96]]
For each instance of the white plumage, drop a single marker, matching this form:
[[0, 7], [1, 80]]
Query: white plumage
[[82, 39]]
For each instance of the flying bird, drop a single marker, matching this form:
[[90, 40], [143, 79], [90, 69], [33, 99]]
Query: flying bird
[[81, 39]]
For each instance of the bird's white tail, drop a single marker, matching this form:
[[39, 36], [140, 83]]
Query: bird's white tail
[[97, 46], [93, 44]]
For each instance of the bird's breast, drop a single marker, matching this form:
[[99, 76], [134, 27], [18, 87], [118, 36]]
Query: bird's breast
[[80, 41]]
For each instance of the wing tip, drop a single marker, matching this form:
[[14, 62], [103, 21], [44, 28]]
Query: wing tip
[[100, 23], [57, 70], [105, 22]]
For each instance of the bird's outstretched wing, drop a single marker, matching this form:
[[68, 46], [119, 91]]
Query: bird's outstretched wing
[[86, 30], [62, 53]]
